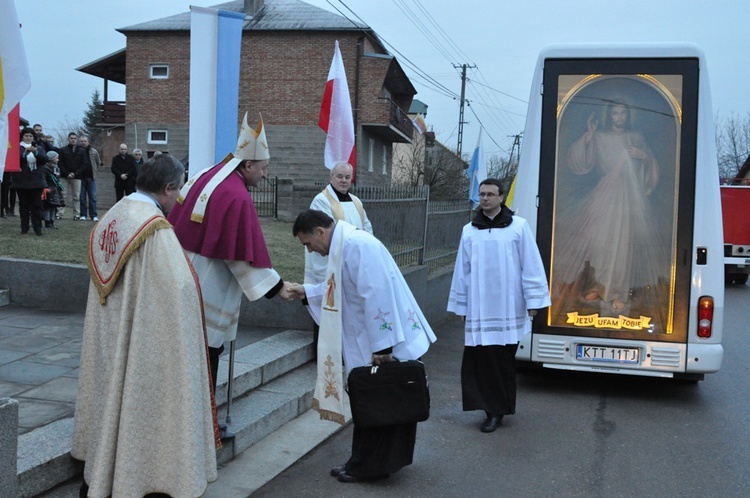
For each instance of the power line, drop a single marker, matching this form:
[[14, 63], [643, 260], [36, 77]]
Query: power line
[[414, 67], [446, 36], [500, 92], [422, 28], [485, 129], [422, 20]]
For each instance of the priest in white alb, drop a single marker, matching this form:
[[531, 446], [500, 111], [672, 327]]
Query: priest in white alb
[[498, 285], [336, 201], [367, 314]]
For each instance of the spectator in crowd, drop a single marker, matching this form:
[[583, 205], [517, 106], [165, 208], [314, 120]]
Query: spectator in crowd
[[498, 283], [138, 155], [30, 182], [144, 418], [335, 201], [367, 315], [71, 169], [124, 170], [91, 163], [50, 140], [54, 196], [40, 137]]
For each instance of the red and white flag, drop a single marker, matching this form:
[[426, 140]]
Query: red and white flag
[[14, 76], [336, 116]]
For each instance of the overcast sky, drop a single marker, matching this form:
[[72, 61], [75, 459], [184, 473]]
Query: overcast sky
[[502, 38]]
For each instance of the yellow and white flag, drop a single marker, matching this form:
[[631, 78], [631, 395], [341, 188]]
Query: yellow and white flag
[[14, 74]]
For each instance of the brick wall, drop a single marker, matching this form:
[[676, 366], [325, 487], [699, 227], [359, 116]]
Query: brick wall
[[282, 76], [158, 100]]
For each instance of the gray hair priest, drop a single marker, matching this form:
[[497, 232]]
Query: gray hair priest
[[144, 418], [336, 201]]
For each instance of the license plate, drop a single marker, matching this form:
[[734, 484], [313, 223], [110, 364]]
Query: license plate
[[607, 354]]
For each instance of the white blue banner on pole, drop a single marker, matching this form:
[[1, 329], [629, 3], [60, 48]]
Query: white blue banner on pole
[[215, 47]]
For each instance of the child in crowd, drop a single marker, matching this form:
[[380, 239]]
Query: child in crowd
[[53, 196]]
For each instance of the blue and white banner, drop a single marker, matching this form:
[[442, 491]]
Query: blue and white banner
[[477, 172], [215, 45]]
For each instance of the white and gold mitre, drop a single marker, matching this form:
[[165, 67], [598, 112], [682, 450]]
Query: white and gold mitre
[[252, 144]]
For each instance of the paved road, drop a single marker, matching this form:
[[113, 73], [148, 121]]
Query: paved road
[[574, 434]]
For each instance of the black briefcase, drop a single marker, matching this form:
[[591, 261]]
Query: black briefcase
[[393, 393]]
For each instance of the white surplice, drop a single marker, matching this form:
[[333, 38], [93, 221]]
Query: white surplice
[[498, 276], [378, 310], [222, 284]]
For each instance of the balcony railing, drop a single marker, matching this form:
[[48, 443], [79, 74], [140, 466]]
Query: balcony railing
[[400, 120], [112, 112]]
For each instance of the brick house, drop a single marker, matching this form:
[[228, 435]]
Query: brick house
[[287, 47]]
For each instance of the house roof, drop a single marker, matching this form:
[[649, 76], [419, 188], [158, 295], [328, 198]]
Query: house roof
[[110, 67], [417, 106], [275, 15]]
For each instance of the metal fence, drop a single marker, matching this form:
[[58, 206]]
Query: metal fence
[[415, 230], [264, 197]]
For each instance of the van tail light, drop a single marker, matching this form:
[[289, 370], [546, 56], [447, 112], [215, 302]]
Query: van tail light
[[705, 316]]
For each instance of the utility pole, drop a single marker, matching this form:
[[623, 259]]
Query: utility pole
[[516, 143], [461, 121]]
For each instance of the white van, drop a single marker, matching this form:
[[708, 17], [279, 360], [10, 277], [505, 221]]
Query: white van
[[618, 176]]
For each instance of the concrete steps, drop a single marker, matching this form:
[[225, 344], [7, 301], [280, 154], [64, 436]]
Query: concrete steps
[[273, 384]]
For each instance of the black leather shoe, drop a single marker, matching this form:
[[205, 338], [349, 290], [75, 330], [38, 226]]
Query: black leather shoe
[[338, 470], [344, 477], [492, 423]]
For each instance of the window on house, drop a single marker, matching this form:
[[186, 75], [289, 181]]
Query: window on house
[[158, 137], [159, 71], [371, 156], [385, 160]]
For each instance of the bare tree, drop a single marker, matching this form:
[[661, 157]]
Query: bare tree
[[732, 143], [502, 168], [409, 163], [64, 127], [445, 173], [428, 162]]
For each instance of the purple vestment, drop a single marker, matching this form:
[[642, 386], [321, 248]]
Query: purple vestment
[[230, 228]]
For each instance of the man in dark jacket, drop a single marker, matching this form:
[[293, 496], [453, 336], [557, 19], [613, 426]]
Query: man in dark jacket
[[71, 169], [124, 169]]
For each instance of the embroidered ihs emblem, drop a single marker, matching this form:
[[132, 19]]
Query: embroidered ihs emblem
[[108, 240], [384, 324], [330, 379]]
